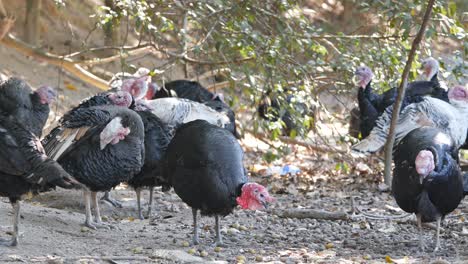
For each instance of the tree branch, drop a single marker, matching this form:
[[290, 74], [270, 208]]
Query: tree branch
[[401, 94], [67, 64]]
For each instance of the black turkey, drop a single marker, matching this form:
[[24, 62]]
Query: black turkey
[[449, 117], [186, 89], [24, 168], [204, 165], [101, 147], [157, 138], [372, 105], [30, 108], [426, 179], [118, 98]]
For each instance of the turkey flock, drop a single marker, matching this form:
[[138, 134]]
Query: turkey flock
[[183, 136], [431, 130], [179, 136]]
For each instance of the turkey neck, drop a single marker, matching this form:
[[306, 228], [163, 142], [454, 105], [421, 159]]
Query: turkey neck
[[39, 116]]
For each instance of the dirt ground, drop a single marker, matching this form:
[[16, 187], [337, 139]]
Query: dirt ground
[[52, 232]]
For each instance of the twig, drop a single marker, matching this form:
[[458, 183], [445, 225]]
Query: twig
[[356, 210], [310, 213], [401, 94], [185, 42], [427, 225], [217, 86], [211, 73], [124, 48]]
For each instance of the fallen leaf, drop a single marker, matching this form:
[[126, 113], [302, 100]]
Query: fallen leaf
[[71, 87]]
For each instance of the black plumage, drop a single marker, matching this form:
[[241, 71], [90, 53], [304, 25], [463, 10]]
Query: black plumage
[[204, 165], [372, 105], [157, 138], [24, 167], [429, 193], [18, 100], [81, 144], [185, 89]]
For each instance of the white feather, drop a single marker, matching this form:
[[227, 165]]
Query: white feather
[[450, 118], [64, 146], [176, 111]]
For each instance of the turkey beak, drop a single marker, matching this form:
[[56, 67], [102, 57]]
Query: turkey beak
[[265, 204]]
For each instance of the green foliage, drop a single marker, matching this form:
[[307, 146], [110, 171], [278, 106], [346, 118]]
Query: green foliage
[[276, 46]]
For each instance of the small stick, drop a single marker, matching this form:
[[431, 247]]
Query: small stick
[[310, 213]]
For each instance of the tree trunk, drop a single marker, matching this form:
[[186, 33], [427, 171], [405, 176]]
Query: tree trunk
[[6, 21], [401, 94], [111, 31], [32, 22]]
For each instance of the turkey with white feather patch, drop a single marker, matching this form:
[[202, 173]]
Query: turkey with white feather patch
[[427, 179], [451, 118], [372, 105]]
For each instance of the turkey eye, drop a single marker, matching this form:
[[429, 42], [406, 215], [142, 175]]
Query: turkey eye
[[255, 191]]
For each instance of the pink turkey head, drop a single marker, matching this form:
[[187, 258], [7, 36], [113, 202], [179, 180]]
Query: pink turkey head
[[254, 197], [121, 98], [458, 93], [46, 94], [153, 88], [136, 87], [430, 68], [364, 75], [113, 133], [142, 72], [424, 163]]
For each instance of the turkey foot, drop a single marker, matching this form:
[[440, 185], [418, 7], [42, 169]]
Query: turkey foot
[[9, 242], [195, 240], [107, 198], [219, 238]]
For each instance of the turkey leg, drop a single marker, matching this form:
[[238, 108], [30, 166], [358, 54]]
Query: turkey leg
[[437, 246], [88, 220], [16, 215], [219, 238], [150, 203], [138, 194], [97, 213], [195, 240], [107, 198], [419, 221]]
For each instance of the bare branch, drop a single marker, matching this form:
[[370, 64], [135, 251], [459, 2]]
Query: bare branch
[[401, 94]]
